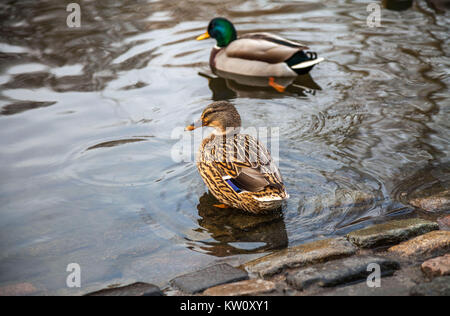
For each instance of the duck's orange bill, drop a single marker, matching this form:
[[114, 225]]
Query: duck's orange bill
[[194, 125], [190, 127], [203, 36]]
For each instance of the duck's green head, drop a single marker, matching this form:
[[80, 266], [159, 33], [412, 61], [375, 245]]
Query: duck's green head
[[221, 30]]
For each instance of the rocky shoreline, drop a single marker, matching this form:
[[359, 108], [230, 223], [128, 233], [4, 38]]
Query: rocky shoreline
[[413, 257]]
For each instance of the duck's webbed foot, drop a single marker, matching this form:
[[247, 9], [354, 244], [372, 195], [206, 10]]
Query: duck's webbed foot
[[275, 85]]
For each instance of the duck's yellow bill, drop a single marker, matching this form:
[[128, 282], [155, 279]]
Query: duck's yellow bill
[[203, 36]]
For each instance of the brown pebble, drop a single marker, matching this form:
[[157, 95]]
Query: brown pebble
[[439, 266], [444, 222], [440, 201], [248, 287], [430, 244]]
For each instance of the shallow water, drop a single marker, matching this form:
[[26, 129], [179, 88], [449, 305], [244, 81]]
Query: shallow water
[[89, 120]]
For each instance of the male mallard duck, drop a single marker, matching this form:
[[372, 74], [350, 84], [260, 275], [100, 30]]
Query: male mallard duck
[[237, 168], [256, 54]]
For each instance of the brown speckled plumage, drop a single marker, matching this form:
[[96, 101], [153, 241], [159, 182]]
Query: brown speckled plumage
[[240, 158]]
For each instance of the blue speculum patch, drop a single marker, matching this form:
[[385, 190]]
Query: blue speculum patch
[[233, 185]]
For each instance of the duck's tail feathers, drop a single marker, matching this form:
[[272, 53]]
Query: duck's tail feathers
[[309, 63], [302, 62], [273, 197]]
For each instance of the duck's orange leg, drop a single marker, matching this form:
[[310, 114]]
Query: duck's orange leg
[[221, 205], [275, 85]]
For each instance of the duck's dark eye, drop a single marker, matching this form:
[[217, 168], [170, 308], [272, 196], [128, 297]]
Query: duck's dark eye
[[212, 32], [211, 28]]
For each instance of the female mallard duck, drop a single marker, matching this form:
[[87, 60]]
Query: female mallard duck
[[256, 54], [237, 168]]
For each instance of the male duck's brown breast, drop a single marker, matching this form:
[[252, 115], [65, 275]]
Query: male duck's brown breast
[[212, 57]]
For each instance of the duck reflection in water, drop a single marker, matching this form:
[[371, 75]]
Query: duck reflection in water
[[230, 86], [397, 5], [236, 232]]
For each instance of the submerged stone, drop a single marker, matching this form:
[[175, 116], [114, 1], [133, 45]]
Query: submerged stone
[[18, 289], [340, 199], [433, 203], [391, 232], [431, 244], [341, 272], [247, 287], [302, 255], [135, 289], [201, 280]]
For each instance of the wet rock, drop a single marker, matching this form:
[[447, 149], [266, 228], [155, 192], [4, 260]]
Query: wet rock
[[201, 280], [444, 222], [19, 289], [389, 286], [315, 252], [391, 233], [439, 266], [433, 203], [247, 287], [428, 245], [135, 289], [438, 287], [340, 272]]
